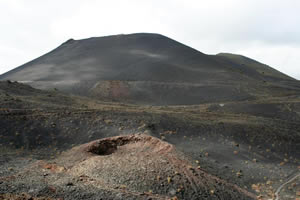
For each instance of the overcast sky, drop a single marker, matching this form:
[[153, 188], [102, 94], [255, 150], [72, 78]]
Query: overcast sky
[[265, 30]]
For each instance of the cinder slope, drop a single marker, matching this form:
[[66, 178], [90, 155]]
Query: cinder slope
[[240, 142], [135, 57], [250, 66], [14, 96], [150, 69]]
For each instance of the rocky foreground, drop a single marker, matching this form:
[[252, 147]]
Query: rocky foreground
[[124, 167]]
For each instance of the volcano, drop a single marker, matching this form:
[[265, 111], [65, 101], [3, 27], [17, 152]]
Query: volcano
[[86, 121], [151, 69]]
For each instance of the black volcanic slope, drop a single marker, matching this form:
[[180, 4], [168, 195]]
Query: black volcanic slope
[[151, 69], [58, 146]]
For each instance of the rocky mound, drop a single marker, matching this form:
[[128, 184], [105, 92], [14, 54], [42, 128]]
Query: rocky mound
[[15, 95], [138, 166]]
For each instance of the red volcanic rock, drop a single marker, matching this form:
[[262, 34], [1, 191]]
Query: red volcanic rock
[[132, 163]]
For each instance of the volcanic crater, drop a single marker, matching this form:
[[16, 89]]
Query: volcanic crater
[[142, 165]]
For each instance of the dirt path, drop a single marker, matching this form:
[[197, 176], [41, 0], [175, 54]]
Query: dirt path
[[285, 183]]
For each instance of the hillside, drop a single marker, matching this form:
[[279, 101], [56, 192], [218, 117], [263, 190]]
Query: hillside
[[54, 145], [150, 69]]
